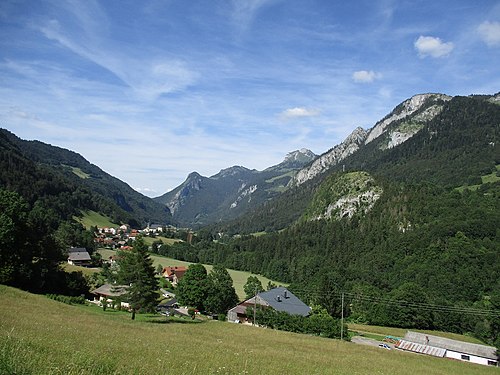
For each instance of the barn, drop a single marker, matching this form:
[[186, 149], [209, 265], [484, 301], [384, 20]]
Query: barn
[[448, 348]]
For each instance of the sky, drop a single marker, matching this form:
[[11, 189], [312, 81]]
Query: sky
[[150, 91]]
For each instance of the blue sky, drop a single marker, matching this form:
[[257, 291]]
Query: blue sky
[[152, 90]]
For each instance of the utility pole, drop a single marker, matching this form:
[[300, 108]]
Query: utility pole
[[342, 320], [254, 305]]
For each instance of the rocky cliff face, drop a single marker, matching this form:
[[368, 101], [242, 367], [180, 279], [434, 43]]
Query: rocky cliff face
[[405, 109], [416, 110], [332, 157], [344, 196]]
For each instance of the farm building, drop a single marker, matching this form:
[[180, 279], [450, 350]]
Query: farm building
[[78, 256], [280, 299], [174, 273], [109, 293], [448, 348]]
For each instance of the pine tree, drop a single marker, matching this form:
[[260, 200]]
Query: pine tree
[[137, 271]]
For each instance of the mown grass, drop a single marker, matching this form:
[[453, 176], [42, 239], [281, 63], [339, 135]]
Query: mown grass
[[239, 277], [42, 336], [92, 218]]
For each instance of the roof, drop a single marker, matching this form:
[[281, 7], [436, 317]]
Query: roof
[[76, 250], [80, 255], [281, 299], [174, 270], [109, 290], [420, 348], [452, 345]]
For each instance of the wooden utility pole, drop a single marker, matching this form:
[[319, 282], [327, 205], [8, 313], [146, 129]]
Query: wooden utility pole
[[254, 305], [342, 320]]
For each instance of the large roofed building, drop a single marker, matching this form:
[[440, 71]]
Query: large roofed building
[[448, 348], [280, 299]]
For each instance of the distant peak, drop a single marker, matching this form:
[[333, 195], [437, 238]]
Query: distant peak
[[231, 171], [301, 154]]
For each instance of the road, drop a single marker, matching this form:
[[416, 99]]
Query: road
[[369, 342]]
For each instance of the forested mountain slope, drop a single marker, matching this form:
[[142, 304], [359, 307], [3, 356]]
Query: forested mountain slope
[[68, 183], [455, 146]]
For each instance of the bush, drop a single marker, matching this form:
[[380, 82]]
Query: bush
[[80, 300]]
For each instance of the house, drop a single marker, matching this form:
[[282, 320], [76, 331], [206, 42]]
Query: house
[[109, 293], [173, 273], [280, 299], [78, 256], [448, 348]]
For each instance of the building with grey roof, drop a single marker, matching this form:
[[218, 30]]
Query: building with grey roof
[[78, 256], [280, 299], [448, 348]]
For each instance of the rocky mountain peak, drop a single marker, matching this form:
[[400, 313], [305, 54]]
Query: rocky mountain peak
[[350, 145], [231, 171], [405, 109]]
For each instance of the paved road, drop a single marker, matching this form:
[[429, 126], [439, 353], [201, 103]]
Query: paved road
[[369, 342]]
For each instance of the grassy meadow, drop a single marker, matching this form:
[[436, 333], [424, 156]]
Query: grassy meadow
[[239, 277], [42, 336], [92, 218]]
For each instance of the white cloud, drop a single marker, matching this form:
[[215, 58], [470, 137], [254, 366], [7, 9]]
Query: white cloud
[[365, 76], [432, 46], [299, 112], [490, 33]]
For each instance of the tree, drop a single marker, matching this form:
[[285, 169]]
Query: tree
[[192, 289], [221, 294], [137, 271], [252, 286]]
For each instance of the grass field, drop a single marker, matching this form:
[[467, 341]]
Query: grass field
[[42, 336], [239, 277], [92, 218]]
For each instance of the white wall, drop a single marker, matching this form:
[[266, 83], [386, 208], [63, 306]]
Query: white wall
[[472, 358]]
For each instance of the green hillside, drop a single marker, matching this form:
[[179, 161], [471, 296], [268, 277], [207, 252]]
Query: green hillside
[[239, 277], [55, 338]]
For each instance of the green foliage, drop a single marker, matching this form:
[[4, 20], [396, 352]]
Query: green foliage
[[137, 271], [192, 289], [319, 323], [67, 299], [221, 295], [252, 287]]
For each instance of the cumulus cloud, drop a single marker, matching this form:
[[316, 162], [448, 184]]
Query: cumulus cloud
[[490, 33], [432, 46], [298, 112], [365, 76]]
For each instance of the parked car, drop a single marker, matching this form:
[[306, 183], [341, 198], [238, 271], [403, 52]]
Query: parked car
[[384, 346]]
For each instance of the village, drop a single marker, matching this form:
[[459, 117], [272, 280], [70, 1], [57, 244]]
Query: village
[[276, 298]]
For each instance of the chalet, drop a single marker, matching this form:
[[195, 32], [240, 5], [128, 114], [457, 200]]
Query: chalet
[[78, 256], [280, 299], [110, 293], [448, 348], [174, 273], [153, 228]]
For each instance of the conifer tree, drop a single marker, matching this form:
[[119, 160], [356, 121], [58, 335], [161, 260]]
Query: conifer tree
[[137, 271]]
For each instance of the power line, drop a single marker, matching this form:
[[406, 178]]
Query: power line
[[312, 294]]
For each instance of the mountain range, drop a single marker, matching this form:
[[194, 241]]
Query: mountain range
[[409, 144]]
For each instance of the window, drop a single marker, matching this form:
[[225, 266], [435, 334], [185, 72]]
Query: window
[[492, 363], [465, 357]]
